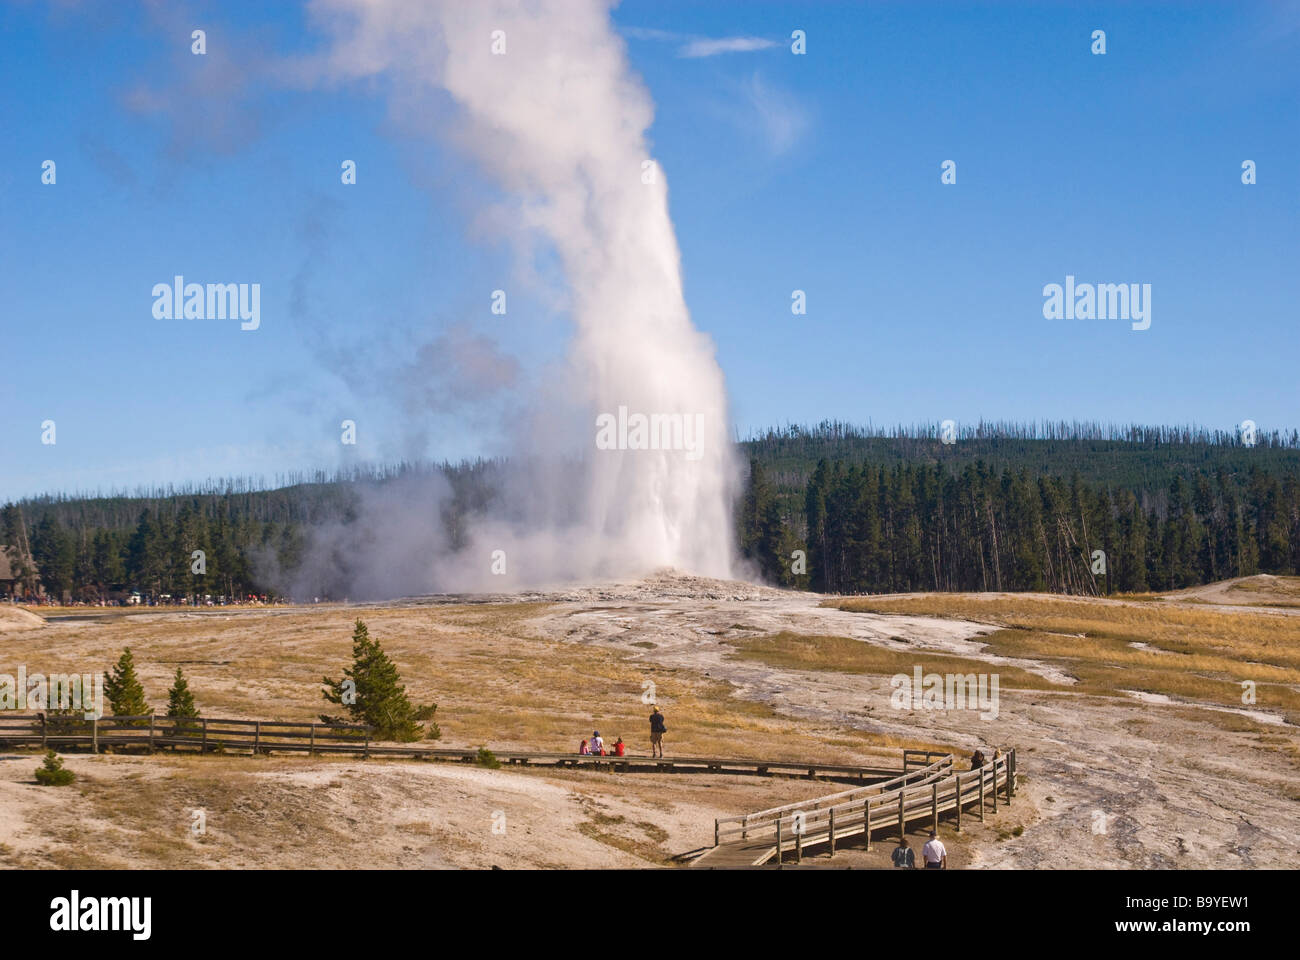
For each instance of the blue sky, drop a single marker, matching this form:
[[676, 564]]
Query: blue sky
[[818, 172]]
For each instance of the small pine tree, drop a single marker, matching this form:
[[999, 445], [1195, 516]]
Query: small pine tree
[[52, 774], [344, 692], [372, 692], [425, 714], [125, 693], [180, 703], [486, 758]]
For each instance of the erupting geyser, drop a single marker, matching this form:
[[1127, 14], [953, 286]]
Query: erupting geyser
[[547, 105]]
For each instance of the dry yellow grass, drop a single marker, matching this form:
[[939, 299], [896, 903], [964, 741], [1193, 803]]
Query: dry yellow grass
[[802, 652], [495, 683], [1193, 653]]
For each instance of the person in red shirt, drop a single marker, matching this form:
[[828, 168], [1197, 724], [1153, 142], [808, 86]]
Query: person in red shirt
[[618, 747]]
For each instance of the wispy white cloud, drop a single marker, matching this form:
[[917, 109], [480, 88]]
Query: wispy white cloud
[[691, 46], [781, 119], [649, 33], [705, 47]]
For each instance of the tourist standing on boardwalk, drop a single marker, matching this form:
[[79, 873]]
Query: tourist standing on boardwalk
[[935, 853], [657, 730], [903, 856]]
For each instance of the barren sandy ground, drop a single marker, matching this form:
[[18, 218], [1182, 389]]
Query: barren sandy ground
[[1245, 593], [16, 618], [1108, 781], [134, 811]]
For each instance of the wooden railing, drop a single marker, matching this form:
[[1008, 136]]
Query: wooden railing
[[153, 732], [926, 792], [731, 828], [262, 736], [921, 758]]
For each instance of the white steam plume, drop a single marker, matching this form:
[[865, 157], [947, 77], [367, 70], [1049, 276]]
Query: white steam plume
[[560, 121]]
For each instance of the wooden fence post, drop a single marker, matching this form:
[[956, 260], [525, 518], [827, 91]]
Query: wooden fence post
[[832, 831], [715, 832], [798, 843], [366, 753], [311, 749], [959, 803], [203, 746], [257, 735], [866, 822], [44, 745], [94, 732], [901, 809], [981, 794], [779, 857], [995, 788], [934, 806], [151, 720], [744, 828]]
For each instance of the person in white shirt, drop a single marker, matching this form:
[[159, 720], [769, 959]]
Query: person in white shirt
[[597, 744], [935, 853]]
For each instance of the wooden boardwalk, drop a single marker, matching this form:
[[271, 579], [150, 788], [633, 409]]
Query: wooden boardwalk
[[207, 735], [926, 793], [883, 800]]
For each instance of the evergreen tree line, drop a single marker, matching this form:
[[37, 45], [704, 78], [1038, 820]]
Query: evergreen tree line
[[868, 528], [89, 548], [156, 555], [1133, 456], [1006, 506], [1133, 434]]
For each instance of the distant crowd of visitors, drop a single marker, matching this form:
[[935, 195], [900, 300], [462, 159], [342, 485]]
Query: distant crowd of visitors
[[48, 600]]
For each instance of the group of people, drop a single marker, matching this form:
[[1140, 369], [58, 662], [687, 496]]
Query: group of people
[[142, 600], [934, 853], [977, 759], [595, 747]]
